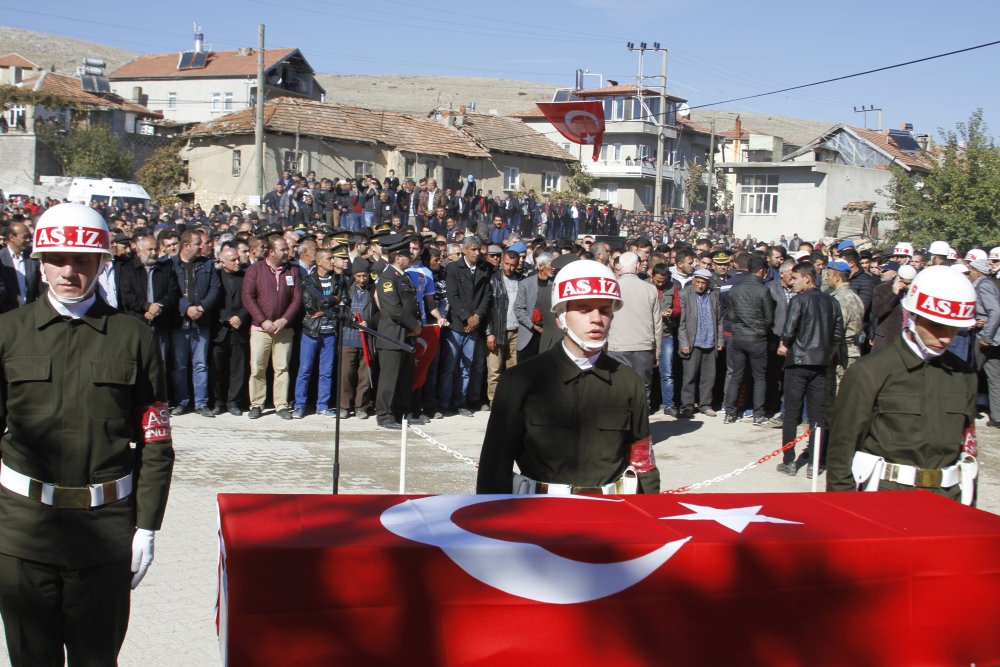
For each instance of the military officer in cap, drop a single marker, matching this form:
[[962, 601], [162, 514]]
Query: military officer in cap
[[86, 460], [720, 269], [572, 418], [399, 320]]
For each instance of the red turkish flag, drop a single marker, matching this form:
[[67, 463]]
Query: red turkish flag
[[641, 580], [426, 347], [579, 122]]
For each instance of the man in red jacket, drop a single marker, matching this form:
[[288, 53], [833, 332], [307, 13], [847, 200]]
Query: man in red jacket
[[272, 295]]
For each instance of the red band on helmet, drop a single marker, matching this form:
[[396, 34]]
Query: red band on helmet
[[61, 238], [589, 287], [954, 310], [156, 423]]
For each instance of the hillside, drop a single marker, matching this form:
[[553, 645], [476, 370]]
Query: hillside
[[411, 94], [64, 53]]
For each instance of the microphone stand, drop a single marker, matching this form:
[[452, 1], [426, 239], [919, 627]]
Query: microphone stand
[[343, 318]]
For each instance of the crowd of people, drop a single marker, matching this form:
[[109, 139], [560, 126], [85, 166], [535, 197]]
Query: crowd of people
[[759, 331]]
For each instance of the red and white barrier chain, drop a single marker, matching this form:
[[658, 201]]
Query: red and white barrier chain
[[444, 448], [739, 471]]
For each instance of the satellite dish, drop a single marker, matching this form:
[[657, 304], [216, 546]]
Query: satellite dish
[[684, 111]]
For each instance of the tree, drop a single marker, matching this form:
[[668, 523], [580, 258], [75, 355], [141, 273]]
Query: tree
[[694, 186], [579, 180], [957, 200], [95, 152], [162, 174]]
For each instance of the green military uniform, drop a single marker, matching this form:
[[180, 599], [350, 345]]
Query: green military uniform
[[399, 315], [562, 425], [74, 395], [895, 405]]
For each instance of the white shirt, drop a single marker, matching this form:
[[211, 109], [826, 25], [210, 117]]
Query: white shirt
[[71, 310], [106, 285], [585, 363]]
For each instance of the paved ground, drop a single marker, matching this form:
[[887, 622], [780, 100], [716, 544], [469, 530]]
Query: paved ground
[[173, 610]]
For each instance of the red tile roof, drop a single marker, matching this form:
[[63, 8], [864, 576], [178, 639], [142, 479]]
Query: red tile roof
[[287, 115], [72, 91], [688, 124], [504, 134], [608, 91], [219, 64], [14, 60], [524, 114], [911, 159]]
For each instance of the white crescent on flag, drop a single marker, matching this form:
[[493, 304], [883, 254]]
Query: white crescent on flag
[[522, 569]]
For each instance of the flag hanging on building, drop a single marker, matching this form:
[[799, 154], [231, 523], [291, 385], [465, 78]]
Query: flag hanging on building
[[580, 122]]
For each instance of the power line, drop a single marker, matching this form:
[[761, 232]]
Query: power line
[[849, 76]]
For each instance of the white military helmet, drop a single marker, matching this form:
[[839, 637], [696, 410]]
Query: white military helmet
[[952, 254], [939, 248], [942, 295], [71, 228], [903, 249], [584, 279], [994, 253], [975, 254]]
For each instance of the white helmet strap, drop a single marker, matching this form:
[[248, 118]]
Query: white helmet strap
[[586, 346], [926, 353]]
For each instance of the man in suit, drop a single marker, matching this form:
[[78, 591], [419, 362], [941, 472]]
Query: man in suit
[[468, 288], [150, 293], [22, 277], [231, 339]]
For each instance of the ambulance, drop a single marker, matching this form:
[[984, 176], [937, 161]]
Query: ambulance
[[110, 192]]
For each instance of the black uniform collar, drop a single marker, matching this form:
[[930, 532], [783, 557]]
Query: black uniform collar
[[567, 371], [911, 361], [96, 318]]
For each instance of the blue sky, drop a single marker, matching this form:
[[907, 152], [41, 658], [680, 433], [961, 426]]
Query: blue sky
[[719, 49]]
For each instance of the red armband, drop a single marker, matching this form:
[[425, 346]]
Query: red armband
[[969, 444], [155, 423], [640, 455]]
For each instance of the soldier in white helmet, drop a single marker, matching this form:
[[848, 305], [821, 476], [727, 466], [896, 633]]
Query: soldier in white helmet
[[938, 251], [86, 460], [905, 415], [902, 254], [573, 419]]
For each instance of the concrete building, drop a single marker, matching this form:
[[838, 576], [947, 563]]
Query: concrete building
[[625, 172], [15, 68], [200, 85], [830, 187], [340, 141], [30, 129]]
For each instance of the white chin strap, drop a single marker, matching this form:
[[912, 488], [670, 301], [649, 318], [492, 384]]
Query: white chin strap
[[586, 346], [926, 352], [89, 292]]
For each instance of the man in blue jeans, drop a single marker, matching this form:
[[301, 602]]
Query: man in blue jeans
[[322, 293], [201, 291], [467, 284]]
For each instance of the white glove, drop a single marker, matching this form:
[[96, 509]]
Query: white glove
[[142, 554]]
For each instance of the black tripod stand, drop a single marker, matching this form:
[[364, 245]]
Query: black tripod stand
[[344, 319]]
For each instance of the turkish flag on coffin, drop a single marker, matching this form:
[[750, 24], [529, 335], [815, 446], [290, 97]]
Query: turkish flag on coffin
[[905, 578], [579, 122]]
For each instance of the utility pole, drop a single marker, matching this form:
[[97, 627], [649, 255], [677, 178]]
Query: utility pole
[[710, 175], [258, 127], [865, 110], [659, 119]]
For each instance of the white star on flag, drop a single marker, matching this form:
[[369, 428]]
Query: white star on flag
[[736, 519], [588, 138]]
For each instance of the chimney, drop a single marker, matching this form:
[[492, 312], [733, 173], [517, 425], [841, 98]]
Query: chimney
[[908, 127], [137, 94], [923, 140], [579, 80], [199, 39]]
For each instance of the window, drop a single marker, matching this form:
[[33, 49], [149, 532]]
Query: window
[[608, 193], [291, 162], [409, 167], [759, 194], [432, 166], [216, 102], [616, 152], [550, 181], [618, 109], [643, 153], [362, 169], [237, 162], [510, 178], [227, 102], [17, 117], [648, 195], [171, 100]]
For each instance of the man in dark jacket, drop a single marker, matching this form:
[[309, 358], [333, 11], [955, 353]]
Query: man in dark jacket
[[150, 293], [231, 341], [751, 312], [469, 303], [200, 292], [501, 329], [21, 275], [812, 328], [863, 284]]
